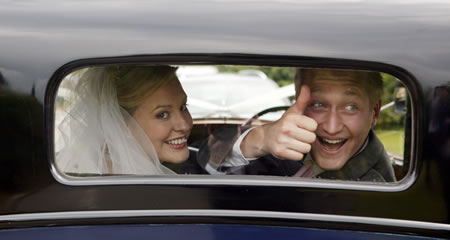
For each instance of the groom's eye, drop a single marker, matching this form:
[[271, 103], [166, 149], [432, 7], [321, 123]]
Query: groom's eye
[[316, 106], [351, 108]]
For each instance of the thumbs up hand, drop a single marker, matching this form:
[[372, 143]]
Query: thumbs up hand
[[290, 137], [302, 101]]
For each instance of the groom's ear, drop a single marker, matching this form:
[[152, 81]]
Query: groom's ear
[[376, 112]]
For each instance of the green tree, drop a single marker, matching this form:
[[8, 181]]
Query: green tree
[[388, 118]]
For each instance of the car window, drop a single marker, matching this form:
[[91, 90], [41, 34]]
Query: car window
[[148, 120]]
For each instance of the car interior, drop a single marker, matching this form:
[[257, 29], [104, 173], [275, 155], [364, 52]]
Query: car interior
[[221, 98]]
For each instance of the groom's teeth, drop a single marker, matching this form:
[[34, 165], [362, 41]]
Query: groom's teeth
[[178, 141], [332, 141]]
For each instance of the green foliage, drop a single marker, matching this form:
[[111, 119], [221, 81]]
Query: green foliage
[[393, 141], [388, 118]]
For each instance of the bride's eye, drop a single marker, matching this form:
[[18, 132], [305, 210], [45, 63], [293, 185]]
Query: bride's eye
[[183, 108], [162, 115]]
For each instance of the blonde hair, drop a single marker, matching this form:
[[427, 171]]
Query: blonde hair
[[135, 83], [370, 81]]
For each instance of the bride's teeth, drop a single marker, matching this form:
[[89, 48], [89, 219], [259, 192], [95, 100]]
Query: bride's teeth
[[178, 141], [332, 141]]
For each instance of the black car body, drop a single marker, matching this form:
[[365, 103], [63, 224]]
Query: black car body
[[42, 41]]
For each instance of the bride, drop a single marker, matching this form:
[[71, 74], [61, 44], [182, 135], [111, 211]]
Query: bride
[[125, 119]]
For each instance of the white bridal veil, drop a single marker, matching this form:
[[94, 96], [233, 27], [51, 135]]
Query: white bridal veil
[[100, 137]]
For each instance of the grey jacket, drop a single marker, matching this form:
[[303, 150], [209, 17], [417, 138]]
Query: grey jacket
[[371, 164]]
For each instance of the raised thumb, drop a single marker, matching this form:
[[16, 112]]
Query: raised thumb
[[302, 100]]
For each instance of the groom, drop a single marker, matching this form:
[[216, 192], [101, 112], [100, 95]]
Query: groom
[[327, 133]]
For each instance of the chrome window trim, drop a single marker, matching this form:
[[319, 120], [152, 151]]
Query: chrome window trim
[[70, 215], [233, 180], [247, 180]]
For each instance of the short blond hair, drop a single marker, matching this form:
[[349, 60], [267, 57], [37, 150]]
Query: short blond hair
[[370, 81], [134, 83]]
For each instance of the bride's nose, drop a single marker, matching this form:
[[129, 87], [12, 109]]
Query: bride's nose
[[183, 121]]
